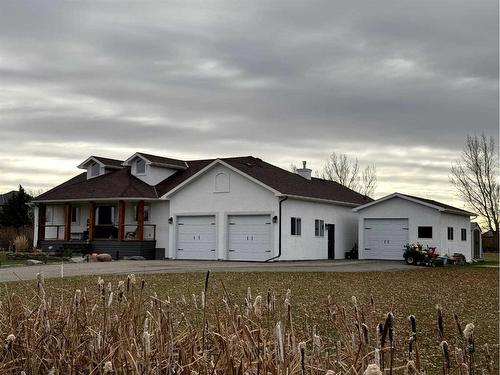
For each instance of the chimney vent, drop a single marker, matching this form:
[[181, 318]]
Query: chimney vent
[[304, 172]]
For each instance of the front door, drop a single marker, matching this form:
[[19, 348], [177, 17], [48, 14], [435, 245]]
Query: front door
[[331, 241], [477, 250]]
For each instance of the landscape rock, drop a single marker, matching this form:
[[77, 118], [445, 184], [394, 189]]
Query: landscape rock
[[104, 257], [33, 262], [136, 257], [77, 260]]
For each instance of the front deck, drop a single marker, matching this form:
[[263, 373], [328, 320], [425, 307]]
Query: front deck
[[119, 228], [118, 249]]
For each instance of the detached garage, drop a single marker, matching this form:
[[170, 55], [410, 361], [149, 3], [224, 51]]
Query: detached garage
[[389, 223]]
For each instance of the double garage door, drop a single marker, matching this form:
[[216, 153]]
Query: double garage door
[[385, 238], [248, 237]]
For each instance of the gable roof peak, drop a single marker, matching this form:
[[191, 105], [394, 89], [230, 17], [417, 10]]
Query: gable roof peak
[[157, 161]]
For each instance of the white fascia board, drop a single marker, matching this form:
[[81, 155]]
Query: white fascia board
[[319, 200], [208, 167], [402, 196], [83, 165], [127, 162]]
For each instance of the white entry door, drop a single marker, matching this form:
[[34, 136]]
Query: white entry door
[[196, 237], [385, 238], [249, 237]]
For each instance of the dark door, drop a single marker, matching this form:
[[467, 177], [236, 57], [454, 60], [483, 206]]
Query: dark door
[[331, 241], [476, 238], [105, 215]]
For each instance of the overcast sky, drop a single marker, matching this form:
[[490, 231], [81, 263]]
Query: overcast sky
[[395, 83]]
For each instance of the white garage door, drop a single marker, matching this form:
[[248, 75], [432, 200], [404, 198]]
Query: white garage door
[[249, 237], [196, 237], [385, 238]]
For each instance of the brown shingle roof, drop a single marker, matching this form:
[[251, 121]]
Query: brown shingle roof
[[109, 162], [439, 204], [290, 183], [119, 184], [122, 184], [277, 178]]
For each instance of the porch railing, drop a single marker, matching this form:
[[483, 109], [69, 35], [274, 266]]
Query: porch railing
[[102, 232]]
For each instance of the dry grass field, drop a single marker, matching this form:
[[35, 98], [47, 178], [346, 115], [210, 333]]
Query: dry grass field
[[155, 324]]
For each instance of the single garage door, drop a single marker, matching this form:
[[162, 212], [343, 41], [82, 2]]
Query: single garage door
[[385, 238], [249, 237], [196, 237]]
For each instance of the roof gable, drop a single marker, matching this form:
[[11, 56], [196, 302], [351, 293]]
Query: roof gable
[[105, 162], [157, 161], [442, 207], [278, 180]]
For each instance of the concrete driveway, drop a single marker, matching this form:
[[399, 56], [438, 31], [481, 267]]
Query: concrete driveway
[[179, 266]]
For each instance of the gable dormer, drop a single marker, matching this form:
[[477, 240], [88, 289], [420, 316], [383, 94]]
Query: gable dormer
[[97, 166], [153, 169]]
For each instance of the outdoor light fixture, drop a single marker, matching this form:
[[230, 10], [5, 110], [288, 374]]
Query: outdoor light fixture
[[275, 219], [170, 220]]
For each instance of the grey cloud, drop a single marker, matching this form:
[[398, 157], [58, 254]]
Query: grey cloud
[[279, 79]]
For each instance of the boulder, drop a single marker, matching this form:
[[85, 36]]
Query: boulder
[[136, 257], [104, 257], [33, 262]]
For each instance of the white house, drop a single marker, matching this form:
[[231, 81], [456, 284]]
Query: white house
[[387, 224], [238, 208]]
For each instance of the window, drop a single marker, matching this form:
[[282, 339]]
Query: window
[[450, 233], [140, 167], [296, 226], [75, 215], [146, 213], [463, 234], [94, 170], [319, 228], [49, 215], [424, 232], [221, 183]]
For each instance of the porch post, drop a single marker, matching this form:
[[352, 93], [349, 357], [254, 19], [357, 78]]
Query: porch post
[[140, 221], [42, 215], [121, 220], [67, 222], [91, 226]]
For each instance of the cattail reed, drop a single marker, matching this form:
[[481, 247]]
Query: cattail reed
[[372, 369], [130, 330], [445, 351], [440, 326]]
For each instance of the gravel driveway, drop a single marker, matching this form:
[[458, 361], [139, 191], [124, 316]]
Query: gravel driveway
[[166, 266]]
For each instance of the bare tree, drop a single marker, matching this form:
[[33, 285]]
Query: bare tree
[[475, 176], [347, 172]]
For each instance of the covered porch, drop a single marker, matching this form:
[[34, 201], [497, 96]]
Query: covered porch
[[121, 228]]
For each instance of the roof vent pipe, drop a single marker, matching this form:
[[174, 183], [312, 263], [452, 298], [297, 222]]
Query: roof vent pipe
[[304, 172]]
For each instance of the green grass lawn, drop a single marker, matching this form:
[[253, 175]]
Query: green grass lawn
[[470, 292], [491, 258], [4, 261]]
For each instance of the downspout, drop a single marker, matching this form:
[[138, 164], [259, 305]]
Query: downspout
[[279, 230]]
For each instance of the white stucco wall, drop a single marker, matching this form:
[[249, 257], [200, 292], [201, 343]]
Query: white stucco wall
[[159, 214], [456, 245], [307, 245], [153, 175], [419, 215], [244, 197]]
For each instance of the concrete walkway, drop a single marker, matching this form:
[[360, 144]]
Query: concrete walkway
[[178, 266]]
